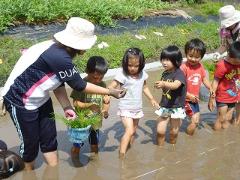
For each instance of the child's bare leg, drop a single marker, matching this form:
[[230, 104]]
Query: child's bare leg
[[221, 117], [193, 124], [94, 148], [237, 118], [228, 118], [135, 124], [161, 130], [174, 128], [129, 131], [229, 115]]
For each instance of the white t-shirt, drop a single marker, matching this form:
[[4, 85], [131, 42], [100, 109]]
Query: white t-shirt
[[133, 98]]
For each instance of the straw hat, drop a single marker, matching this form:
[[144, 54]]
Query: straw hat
[[78, 34], [228, 16]]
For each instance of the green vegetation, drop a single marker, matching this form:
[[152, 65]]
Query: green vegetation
[[151, 46], [104, 12], [84, 119]]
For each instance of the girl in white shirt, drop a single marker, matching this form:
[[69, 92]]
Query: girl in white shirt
[[132, 78]]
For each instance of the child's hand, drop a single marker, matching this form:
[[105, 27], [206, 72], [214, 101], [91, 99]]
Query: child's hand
[[106, 99], [105, 114], [212, 93], [155, 104], [159, 84], [193, 98], [211, 104]]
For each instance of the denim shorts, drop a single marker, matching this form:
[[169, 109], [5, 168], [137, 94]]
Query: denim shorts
[[191, 108]]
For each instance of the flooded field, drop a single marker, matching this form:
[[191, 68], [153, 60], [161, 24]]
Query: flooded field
[[206, 155]]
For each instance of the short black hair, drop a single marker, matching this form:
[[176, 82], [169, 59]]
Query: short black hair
[[172, 53], [96, 64], [195, 44], [133, 52], [234, 50]]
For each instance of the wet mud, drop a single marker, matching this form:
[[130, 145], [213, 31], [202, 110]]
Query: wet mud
[[206, 155]]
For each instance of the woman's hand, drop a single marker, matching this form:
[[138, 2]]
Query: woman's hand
[[70, 113], [117, 93]]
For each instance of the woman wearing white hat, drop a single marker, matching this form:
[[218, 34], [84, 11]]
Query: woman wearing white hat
[[229, 33], [229, 28], [42, 68]]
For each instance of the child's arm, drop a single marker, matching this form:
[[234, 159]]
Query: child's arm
[[192, 98], [106, 105], [84, 105], [168, 85], [212, 97], [207, 84], [114, 84], [149, 95]]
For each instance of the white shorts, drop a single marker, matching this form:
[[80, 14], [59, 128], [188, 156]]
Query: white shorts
[[174, 113], [135, 114]]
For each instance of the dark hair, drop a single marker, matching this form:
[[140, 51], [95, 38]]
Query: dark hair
[[9, 163], [172, 53], [133, 52], [97, 64], [234, 50], [195, 44], [71, 51], [3, 146]]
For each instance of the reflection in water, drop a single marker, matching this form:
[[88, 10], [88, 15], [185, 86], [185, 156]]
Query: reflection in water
[[51, 173]]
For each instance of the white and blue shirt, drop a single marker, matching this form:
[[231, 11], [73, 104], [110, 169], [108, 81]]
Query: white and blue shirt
[[41, 69]]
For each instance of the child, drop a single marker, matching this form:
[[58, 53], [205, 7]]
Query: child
[[195, 75], [226, 85], [96, 69], [229, 33], [132, 78], [173, 85]]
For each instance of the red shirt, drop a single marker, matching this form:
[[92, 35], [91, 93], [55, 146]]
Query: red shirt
[[229, 82], [194, 76]]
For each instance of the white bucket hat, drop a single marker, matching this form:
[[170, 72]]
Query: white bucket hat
[[228, 16], [78, 34]]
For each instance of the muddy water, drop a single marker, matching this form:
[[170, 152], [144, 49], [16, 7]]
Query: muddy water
[[206, 155]]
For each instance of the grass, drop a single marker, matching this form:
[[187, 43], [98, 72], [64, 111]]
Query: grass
[[151, 46], [103, 12]]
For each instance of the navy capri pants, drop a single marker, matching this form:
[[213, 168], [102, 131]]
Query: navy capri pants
[[35, 128]]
